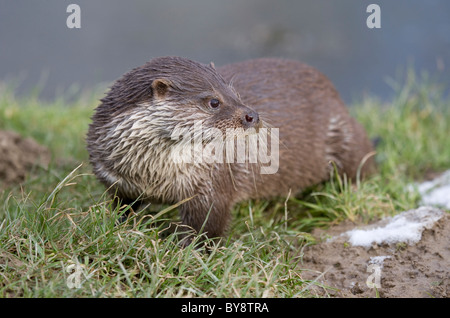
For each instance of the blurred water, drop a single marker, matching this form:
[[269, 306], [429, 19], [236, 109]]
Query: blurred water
[[37, 47]]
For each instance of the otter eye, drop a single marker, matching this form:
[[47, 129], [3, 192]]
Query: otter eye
[[214, 103]]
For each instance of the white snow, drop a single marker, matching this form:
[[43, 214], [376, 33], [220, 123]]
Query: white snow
[[405, 227], [437, 191]]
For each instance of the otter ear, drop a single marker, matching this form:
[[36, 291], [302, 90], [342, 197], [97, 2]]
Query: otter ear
[[160, 87], [211, 64]]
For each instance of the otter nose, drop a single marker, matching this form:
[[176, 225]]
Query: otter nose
[[250, 119]]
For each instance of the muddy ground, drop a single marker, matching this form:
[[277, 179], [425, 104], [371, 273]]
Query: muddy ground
[[17, 156], [404, 270]]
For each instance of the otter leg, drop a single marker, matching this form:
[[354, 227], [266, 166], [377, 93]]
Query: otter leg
[[206, 216], [120, 202]]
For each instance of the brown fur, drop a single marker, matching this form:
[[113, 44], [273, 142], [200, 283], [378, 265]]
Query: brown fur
[[129, 139]]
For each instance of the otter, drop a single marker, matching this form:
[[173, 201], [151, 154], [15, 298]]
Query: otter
[[131, 138]]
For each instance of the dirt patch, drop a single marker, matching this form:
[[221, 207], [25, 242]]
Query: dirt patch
[[17, 156], [420, 269]]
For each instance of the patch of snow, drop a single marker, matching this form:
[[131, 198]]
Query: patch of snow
[[436, 191], [405, 227]]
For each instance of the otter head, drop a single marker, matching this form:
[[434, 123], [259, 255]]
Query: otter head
[[175, 91], [184, 92]]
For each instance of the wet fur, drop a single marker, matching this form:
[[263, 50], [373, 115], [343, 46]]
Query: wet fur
[[129, 140]]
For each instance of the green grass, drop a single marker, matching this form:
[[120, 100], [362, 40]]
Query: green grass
[[60, 217]]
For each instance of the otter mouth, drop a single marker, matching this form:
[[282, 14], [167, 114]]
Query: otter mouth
[[242, 119]]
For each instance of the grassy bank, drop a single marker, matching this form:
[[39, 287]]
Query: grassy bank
[[59, 220]]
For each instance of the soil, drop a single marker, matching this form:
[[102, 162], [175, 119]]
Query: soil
[[18, 156], [339, 269]]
